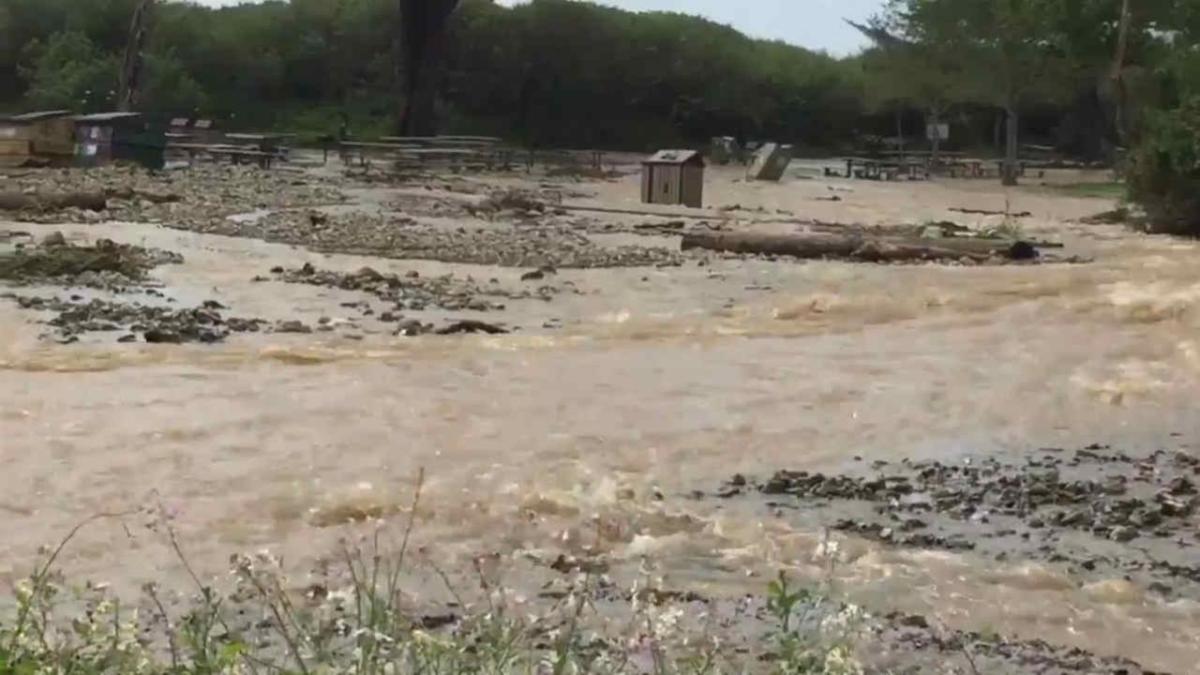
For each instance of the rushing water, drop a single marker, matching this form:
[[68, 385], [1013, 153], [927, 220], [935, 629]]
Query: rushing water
[[660, 382]]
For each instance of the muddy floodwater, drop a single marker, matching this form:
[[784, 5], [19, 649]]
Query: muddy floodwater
[[612, 412]]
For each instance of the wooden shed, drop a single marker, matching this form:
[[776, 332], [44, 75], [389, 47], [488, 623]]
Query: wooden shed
[[673, 177], [104, 137], [46, 137]]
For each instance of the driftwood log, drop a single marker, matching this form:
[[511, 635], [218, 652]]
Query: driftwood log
[[128, 193], [859, 247], [52, 201]]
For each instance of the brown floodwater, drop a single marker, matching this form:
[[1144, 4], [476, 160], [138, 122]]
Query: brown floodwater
[[658, 383]]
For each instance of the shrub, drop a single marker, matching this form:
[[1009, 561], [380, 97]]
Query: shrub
[[1164, 171]]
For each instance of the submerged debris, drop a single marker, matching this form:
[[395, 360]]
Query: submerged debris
[[413, 292], [54, 260], [1006, 510], [156, 324], [184, 199], [367, 234]]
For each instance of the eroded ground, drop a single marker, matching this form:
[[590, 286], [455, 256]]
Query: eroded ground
[[612, 387]]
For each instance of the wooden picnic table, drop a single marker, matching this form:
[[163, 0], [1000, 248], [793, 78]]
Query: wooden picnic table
[[880, 169], [234, 153], [445, 141], [409, 153]]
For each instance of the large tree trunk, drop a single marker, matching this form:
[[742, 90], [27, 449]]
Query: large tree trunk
[[1118, 74], [131, 66], [53, 201], [422, 41], [858, 247], [1011, 169]]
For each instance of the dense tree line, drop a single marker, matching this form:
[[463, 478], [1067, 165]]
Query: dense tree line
[[552, 72], [1093, 77]]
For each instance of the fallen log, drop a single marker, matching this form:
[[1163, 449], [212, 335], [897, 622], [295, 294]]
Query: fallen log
[[641, 212], [858, 246], [128, 193], [989, 212], [52, 201]]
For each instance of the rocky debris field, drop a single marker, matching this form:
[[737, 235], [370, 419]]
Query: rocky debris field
[[413, 292], [184, 199], [104, 264], [911, 645], [1101, 513], [402, 238], [137, 321]]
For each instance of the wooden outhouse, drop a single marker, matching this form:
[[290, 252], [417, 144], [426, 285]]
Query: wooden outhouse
[[105, 137], [673, 177], [46, 137]]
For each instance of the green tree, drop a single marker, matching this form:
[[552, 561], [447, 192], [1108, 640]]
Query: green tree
[[70, 73], [1011, 51]]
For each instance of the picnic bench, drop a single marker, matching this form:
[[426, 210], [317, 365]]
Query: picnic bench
[[409, 154], [885, 169], [233, 153]]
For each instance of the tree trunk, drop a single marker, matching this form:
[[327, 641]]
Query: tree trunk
[[935, 119], [52, 201], [997, 129], [858, 247], [131, 65], [1011, 169], [422, 41], [900, 130], [1118, 74]]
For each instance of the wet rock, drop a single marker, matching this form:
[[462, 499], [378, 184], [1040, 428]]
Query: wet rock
[[471, 326], [1122, 533], [368, 274], [159, 336], [54, 239], [292, 326], [411, 327]]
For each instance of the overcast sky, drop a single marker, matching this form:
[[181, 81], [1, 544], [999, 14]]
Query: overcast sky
[[816, 24]]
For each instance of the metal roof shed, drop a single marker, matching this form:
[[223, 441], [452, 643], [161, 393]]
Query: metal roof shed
[[105, 137], [673, 177]]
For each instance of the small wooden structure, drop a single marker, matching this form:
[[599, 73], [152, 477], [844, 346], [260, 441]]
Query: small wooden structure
[[673, 177], [105, 137], [770, 162], [724, 149], [46, 137]]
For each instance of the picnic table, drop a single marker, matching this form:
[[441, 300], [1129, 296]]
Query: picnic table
[[235, 154], [408, 153], [884, 169], [261, 142], [444, 141]]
